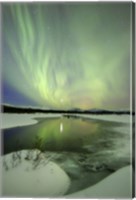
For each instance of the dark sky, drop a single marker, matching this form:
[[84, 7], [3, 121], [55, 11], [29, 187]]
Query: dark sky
[[66, 55]]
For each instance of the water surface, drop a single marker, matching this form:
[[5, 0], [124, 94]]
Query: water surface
[[62, 134]]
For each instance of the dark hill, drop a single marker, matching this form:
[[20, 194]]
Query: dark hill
[[12, 109]]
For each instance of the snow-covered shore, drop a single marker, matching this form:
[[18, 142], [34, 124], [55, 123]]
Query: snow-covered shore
[[113, 118], [14, 120], [27, 173], [117, 185]]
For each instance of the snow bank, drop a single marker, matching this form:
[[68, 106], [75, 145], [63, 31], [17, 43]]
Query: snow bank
[[22, 176], [117, 185], [14, 120], [113, 118]]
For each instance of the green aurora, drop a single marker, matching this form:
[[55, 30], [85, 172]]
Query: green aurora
[[68, 55]]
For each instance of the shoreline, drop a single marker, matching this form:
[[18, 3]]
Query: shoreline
[[30, 169], [9, 120], [116, 185]]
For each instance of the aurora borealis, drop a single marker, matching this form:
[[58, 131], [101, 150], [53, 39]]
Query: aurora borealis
[[66, 55]]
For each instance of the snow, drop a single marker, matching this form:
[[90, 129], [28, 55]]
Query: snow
[[24, 178], [117, 185], [14, 120], [113, 118]]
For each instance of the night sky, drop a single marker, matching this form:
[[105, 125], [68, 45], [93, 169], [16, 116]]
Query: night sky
[[66, 55]]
